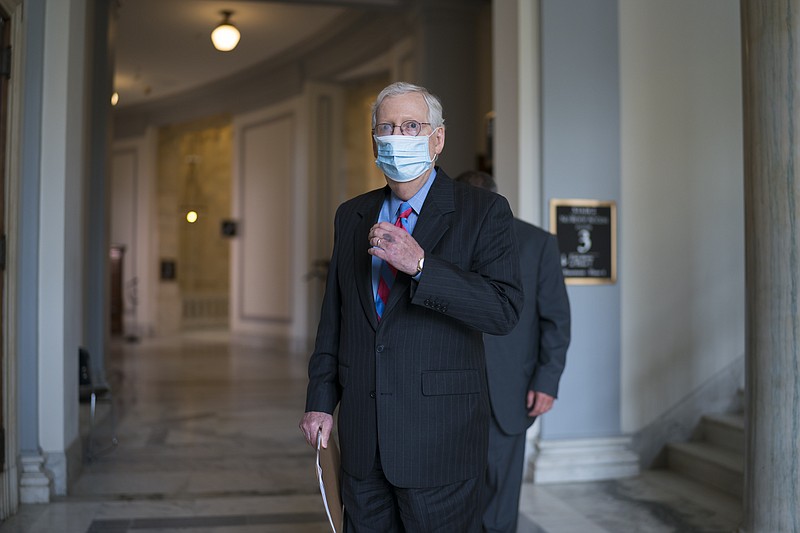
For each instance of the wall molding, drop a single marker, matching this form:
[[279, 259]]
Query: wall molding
[[244, 256]]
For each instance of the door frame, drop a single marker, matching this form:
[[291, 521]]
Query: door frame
[[9, 477]]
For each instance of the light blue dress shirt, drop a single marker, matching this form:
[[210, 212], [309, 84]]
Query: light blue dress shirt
[[388, 214]]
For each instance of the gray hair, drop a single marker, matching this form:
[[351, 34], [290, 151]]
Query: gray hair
[[396, 89]]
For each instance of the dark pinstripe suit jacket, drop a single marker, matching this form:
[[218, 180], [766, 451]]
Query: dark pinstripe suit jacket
[[415, 382]]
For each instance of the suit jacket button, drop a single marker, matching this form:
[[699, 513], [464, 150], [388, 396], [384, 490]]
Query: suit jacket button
[[379, 348], [372, 394]]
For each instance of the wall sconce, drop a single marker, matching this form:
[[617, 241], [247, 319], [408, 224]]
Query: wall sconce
[[193, 205], [225, 36]]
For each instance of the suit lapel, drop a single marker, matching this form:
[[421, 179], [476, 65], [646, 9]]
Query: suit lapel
[[432, 224], [434, 220], [368, 211]]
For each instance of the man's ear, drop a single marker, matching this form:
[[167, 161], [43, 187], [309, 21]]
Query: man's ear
[[438, 144], [374, 148]]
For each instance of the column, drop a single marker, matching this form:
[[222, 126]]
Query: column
[[34, 484], [61, 273], [516, 90], [771, 78]]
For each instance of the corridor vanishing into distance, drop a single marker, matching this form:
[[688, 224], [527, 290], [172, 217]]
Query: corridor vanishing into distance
[[206, 435]]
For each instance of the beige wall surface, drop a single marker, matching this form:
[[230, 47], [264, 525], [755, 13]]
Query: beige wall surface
[[681, 229], [194, 171], [362, 174]]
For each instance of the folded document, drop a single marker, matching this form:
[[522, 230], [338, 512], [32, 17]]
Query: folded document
[[328, 468]]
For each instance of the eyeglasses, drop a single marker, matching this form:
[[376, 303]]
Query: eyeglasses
[[409, 127]]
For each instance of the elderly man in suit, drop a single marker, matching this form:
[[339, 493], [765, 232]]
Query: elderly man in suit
[[420, 270], [524, 367]]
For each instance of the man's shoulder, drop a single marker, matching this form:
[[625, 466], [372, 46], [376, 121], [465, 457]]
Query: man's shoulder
[[527, 232], [476, 197], [465, 189], [527, 227]]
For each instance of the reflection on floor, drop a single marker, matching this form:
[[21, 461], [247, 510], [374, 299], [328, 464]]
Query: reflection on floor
[[208, 443]]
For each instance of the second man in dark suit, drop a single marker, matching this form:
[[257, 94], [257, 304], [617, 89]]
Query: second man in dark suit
[[524, 367], [420, 270]]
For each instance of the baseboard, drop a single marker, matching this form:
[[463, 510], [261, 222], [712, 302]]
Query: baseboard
[[563, 461], [56, 465]]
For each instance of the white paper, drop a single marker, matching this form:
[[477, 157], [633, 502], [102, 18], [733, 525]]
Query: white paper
[[322, 485]]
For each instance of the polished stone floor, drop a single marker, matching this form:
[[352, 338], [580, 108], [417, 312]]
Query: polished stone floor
[[200, 436]]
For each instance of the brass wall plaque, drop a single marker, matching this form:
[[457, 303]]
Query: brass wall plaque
[[587, 239]]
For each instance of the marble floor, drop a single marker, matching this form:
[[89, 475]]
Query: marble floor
[[200, 436]]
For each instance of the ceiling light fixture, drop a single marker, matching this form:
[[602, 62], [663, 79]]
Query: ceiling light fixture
[[225, 36]]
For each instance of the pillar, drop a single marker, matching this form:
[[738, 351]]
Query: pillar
[[771, 78], [34, 483]]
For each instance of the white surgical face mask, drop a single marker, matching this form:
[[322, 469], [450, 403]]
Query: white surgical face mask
[[402, 157]]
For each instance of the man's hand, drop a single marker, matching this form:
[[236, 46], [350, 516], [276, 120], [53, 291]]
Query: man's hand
[[539, 403], [395, 246], [312, 423]]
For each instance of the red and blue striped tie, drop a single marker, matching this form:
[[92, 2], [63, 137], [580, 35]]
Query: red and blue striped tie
[[387, 271]]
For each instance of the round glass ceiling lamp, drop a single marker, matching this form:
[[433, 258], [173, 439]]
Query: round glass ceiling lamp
[[225, 36]]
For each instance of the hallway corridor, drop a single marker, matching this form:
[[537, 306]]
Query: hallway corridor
[[208, 443]]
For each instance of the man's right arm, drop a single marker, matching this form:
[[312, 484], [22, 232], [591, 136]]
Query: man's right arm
[[323, 392]]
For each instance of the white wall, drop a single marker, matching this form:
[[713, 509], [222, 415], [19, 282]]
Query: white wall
[[681, 214], [124, 216], [132, 223]]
